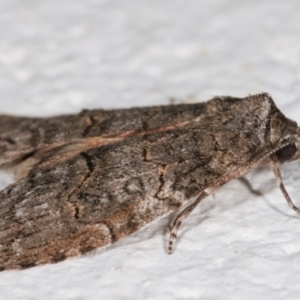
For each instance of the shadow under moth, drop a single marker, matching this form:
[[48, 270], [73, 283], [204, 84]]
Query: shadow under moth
[[85, 181]]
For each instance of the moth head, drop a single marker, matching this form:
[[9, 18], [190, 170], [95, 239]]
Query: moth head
[[285, 137]]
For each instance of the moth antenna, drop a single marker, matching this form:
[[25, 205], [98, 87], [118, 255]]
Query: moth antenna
[[275, 168], [180, 218]]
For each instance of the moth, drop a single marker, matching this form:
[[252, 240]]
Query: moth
[[87, 180]]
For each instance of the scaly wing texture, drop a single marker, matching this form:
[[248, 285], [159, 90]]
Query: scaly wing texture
[[21, 136], [89, 192]]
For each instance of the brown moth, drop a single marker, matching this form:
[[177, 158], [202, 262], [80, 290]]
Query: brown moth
[[85, 181]]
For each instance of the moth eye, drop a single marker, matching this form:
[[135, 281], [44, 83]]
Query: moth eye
[[286, 153]]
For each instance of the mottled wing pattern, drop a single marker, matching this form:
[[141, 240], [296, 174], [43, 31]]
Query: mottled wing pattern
[[21, 136], [80, 195], [69, 207]]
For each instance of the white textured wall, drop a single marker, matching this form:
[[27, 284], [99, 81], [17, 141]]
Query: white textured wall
[[61, 56]]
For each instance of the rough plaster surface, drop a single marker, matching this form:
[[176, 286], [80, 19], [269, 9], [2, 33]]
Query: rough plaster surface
[[61, 56]]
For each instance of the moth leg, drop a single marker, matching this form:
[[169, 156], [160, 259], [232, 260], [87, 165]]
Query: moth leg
[[275, 168], [180, 218]]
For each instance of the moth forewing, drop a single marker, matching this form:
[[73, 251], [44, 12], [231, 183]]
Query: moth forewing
[[88, 180]]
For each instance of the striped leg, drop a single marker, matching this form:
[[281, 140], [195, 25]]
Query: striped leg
[[180, 218]]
